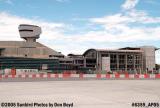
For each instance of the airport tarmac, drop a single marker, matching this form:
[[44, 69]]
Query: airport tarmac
[[81, 93]]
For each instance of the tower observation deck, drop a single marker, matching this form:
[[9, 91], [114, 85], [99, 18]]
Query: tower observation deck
[[29, 32]]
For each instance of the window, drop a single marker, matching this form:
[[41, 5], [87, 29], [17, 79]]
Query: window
[[25, 30]]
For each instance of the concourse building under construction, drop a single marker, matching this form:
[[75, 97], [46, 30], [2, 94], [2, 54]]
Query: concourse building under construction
[[32, 55], [123, 59]]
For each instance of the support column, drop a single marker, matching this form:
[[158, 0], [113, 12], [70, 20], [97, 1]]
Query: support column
[[98, 67], [134, 61], [84, 64], [125, 62], [142, 63], [117, 57]]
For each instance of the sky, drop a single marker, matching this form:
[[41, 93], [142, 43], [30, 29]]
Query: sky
[[73, 26]]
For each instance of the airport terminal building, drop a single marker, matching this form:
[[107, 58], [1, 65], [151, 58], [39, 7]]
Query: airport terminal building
[[30, 54]]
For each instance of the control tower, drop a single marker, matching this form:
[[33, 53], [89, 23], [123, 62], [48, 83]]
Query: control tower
[[29, 32]]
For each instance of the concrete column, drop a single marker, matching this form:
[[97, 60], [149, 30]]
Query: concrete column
[[134, 60], [142, 63], [97, 61], [134, 63], [125, 62], [117, 57], [84, 62]]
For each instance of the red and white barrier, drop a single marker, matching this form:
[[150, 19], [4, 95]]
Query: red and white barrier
[[83, 76]]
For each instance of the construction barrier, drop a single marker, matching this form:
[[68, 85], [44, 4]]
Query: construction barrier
[[83, 76]]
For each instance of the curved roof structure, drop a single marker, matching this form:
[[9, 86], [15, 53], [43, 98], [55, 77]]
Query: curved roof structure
[[109, 50]]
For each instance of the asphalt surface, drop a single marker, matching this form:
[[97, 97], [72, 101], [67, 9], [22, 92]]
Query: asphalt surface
[[81, 93]]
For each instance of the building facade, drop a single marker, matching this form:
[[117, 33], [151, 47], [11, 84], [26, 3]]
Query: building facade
[[37, 55], [30, 54], [123, 59]]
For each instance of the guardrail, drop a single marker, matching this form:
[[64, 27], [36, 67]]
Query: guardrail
[[83, 76]]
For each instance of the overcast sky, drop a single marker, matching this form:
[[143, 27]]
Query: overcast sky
[[73, 26]]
